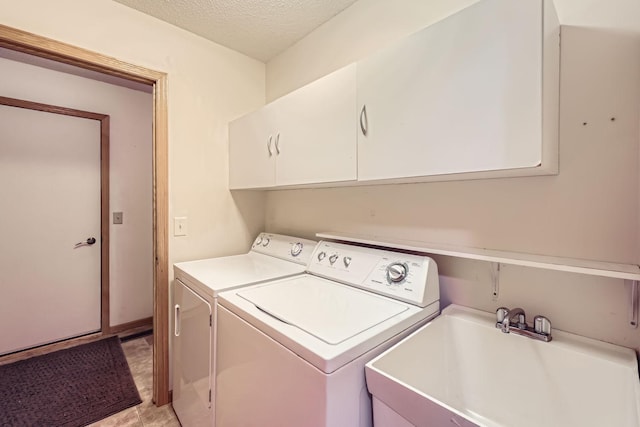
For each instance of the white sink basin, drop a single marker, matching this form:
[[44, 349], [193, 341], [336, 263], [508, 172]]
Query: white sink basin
[[460, 370]]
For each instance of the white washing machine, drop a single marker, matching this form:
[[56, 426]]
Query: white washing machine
[[291, 352], [195, 289]]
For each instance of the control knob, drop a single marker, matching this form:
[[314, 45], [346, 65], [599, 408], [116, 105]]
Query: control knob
[[397, 272], [347, 261], [333, 258], [296, 249], [258, 241], [321, 256], [265, 242]]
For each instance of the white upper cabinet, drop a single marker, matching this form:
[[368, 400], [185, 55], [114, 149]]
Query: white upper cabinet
[[305, 137], [252, 150], [474, 94]]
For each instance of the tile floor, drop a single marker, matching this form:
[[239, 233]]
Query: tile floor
[[139, 355]]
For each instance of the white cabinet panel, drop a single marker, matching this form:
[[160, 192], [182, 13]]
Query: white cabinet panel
[[191, 357], [305, 137], [252, 150], [318, 131], [463, 95]]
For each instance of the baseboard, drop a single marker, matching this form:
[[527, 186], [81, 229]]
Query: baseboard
[[137, 327], [49, 348], [132, 328]]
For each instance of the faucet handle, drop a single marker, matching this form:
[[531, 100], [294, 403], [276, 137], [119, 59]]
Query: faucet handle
[[501, 313], [522, 321], [542, 325]]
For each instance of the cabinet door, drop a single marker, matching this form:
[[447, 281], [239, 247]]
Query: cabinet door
[[317, 131], [462, 95], [192, 382], [252, 150]]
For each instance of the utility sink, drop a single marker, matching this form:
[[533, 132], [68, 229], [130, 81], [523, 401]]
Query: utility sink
[[459, 370]]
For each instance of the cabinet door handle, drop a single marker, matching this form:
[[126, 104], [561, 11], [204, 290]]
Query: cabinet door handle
[[278, 143], [364, 123], [269, 141], [176, 321]]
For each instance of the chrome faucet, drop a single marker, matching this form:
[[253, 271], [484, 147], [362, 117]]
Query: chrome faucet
[[515, 321], [515, 317]]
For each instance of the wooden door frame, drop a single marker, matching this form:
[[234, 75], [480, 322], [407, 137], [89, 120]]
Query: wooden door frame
[[104, 189], [25, 42]]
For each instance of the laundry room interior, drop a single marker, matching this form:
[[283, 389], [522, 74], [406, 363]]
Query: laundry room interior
[[563, 243]]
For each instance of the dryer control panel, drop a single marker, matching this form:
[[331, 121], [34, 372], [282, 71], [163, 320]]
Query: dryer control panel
[[406, 277], [288, 248]]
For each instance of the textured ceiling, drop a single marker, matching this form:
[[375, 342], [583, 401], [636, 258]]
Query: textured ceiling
[[258, 28]]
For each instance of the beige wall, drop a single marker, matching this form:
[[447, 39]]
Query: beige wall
[[369, 25], [208, 85], [130, 111], [362, 28], [590, 210]]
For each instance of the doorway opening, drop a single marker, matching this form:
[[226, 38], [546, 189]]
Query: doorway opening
[[32, 44]]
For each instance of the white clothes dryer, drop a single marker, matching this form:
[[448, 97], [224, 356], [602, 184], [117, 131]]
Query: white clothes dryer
[[195, 289], [291, 352]]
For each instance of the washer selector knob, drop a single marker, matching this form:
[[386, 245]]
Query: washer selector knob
[[347, 261], [321, 256], [296, 249], [397, 272], [333, 258], [258, 241], [265, 241]]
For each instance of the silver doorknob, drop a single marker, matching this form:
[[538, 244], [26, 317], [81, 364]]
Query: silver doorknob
[[90, 241]]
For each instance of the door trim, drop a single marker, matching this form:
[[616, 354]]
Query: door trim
[[25, 42], [104, 190]]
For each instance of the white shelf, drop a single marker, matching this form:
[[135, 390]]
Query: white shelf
[[593, 268]]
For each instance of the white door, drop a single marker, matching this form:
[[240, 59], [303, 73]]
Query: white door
[[192, 388], [50, 194]]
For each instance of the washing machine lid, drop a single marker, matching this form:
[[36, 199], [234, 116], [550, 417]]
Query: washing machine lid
[[329, 311], [215, 275]]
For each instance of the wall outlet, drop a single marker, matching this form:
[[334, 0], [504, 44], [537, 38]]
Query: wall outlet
[[180, 226], [117, 217]]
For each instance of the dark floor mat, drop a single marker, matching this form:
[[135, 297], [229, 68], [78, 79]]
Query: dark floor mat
[[71, 387]]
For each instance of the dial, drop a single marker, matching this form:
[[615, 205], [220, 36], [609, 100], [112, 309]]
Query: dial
[[397, 272], [321, 256], [258, 241], [265, 241], [347, 261], [333, 258], [296, 249]]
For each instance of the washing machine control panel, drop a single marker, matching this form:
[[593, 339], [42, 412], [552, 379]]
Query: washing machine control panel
[[285, 247], [407, 277]]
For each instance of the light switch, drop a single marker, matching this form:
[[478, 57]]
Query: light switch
[[117, 217], [180, 226]]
